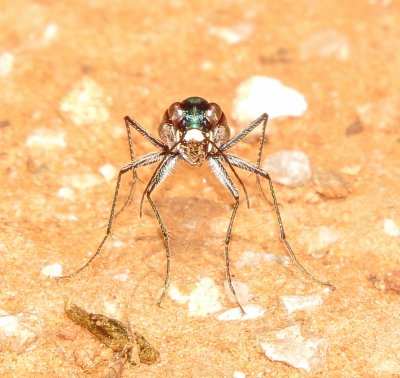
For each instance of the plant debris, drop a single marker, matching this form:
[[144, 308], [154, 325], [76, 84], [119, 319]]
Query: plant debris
[[115, 335]]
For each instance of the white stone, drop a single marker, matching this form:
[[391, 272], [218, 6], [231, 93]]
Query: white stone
[[233, 34], [66, 193], [176, 295], [250, 258], [46, 138], [239, 374], [50, 33], [67, 217], [18, 333], [108, 171], [111, 308], [6, 63], [251, 312], [391, 228], [271, 258], [291, 347], [53, 270], [87, 103], [206, 65], [327, 43], [123, 277], [262, 94], [205, 298], [83, 181], [299, 302], [290, 168]]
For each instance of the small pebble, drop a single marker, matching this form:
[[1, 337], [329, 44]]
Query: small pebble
[[176, 295], [207, 65], [67, 334], [205, 298], [262, 94], [123, 277], [330, 184], [111, 308], [6, 63], [252, 312], [327, 43], [355, 128], [108, 171], [46, 138], [241, 290], [352, 170], [19, 333], [392, 280], [83, 181], [289, 346], [239, 374], [66, 193], [390, 228], [87, 103], [290, 168], [382, 115], [299, 302], [319, 239], [250, 258], [53, 270], [67, 217], [4, 123], [234, 34], [50, 33]]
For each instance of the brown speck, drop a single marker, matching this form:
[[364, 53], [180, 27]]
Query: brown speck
[[392, 281], [354, 128], [330, 184], [4, 123], [67, 334]]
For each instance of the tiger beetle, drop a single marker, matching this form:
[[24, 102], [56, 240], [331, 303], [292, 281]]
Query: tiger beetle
[[196, 131]]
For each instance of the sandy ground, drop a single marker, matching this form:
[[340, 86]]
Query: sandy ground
[[137, 60]]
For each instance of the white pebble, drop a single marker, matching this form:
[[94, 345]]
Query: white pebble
[[108, 171], [50, 33], [176, 295], [83, 181], [111, 308], [67, 217], [299, 302], [241, 290], [257, 258], [252, 312], [291, 347], [290, 168], [239, 374], [234, 34], [325, 43], [6, 63], [206, 65], [205, 298], [66, 193], [53, 270], [391, 228], [46, 138], [123, 277], [319, 239], [19, 333], [87, 103], [262, 94]]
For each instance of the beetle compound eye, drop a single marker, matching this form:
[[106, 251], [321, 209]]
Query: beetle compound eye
[[175, 113], [213, 114]]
